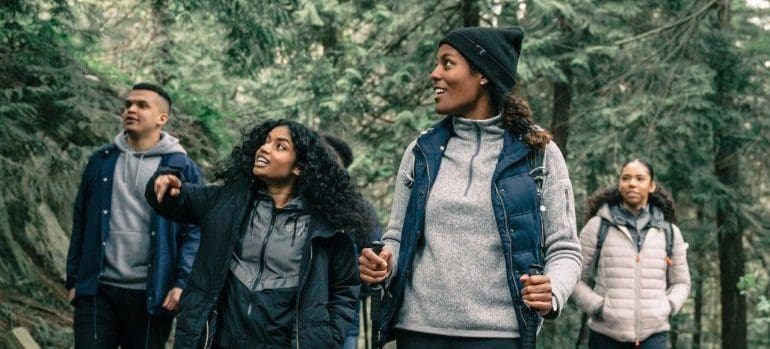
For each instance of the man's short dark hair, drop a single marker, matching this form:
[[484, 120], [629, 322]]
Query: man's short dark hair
[[341, 148], [154, 88]]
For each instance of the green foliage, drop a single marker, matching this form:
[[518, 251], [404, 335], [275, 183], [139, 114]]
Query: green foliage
[[648, 79], [754, 288], [54, 112]]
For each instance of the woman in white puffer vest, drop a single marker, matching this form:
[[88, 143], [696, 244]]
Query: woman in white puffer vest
[[638, 286]]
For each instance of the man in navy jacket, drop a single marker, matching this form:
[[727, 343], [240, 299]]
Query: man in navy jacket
[[127, 266]]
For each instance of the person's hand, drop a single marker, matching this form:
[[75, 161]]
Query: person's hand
[[372, 268], [172, 299], [71, 295], [537, 293], [167, 183]]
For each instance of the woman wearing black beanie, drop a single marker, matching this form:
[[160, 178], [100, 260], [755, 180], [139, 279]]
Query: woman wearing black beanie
[[469, 227]]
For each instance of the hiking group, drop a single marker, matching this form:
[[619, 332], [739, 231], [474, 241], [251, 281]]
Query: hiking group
[[481, 245]]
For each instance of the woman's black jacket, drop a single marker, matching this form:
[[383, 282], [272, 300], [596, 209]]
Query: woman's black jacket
[[329, 283]]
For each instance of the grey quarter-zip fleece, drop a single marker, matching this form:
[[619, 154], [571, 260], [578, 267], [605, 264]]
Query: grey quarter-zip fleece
[[462, 259], [458, 285]]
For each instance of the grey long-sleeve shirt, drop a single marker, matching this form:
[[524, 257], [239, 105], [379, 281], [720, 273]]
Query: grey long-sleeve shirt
[[458, 286]]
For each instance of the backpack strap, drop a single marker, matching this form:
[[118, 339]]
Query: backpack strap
[[600, 237], [538, 172], [536, 160], [669, 232]]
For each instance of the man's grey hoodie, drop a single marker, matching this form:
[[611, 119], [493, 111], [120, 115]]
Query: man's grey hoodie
[[127, 247]]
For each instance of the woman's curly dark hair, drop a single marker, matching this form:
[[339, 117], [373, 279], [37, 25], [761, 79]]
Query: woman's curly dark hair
[[517, 115], [660, 198], [323, 184]]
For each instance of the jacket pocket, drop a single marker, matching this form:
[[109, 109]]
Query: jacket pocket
[[609, 315], [320, 335]]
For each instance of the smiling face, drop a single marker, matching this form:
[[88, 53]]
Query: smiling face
[[275, 160], [144, 114], [636, 185], [459, 90]]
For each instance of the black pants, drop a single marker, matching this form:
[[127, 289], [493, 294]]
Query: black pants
[[599, 341], [118, 317], [418, 340]]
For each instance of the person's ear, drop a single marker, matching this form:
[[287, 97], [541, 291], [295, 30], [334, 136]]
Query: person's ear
[[653, 187], [162, 119], [296, 171], [484, 80]]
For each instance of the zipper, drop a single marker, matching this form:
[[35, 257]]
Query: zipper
[[299, 292], [473, 158], [96, 308], [147, 333], [510, 252], [427, 191], [505, 213], [637, 303], [262, 258], [206, 339]]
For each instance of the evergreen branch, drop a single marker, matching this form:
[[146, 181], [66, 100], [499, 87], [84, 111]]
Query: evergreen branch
[[392, 46], [667, 26]]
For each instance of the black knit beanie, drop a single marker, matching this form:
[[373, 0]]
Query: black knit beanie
[[494, 52]]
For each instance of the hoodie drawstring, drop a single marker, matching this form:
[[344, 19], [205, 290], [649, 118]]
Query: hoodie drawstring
[[138, 170], [129, 155]]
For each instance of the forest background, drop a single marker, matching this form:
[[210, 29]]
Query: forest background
[[682, 83]]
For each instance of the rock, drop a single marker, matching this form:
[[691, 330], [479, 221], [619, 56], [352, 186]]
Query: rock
[[19, 338]]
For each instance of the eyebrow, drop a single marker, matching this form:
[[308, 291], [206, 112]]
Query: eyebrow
[[283, 139], [137, 100]]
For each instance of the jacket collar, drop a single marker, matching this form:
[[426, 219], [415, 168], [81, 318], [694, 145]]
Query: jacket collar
[[319, 228], [433, 140], [513, 151], [108, 149], [657, 219]]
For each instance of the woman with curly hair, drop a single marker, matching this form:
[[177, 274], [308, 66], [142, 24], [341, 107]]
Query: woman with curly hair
[[470, 231], [276, 265], [638, 259]]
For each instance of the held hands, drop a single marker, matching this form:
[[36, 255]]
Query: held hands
[[372, 268], [537, 293], [172, 299], [167, 183]]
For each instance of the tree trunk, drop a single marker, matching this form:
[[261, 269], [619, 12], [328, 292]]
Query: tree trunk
[[471, 13], [697, 336], [731, 255], [697, 289], [562, 92], [163, 20], [727, 170], [562, 103]]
